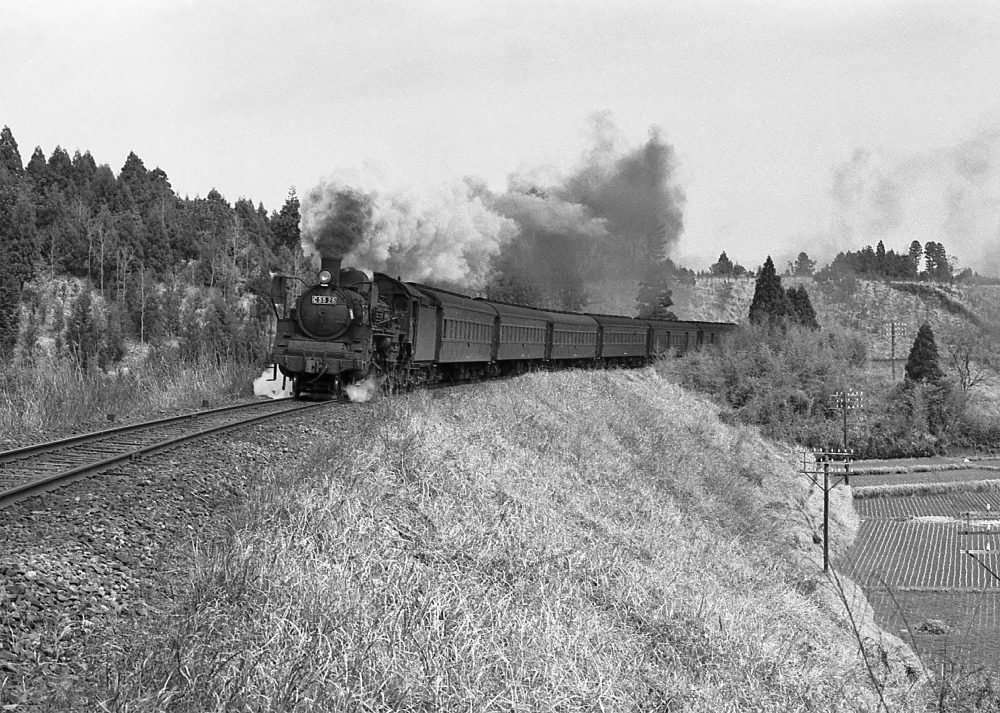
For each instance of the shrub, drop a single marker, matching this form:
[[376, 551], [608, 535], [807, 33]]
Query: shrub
[[778, 377]]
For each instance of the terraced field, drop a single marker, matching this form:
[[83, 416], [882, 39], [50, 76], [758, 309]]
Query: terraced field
[[912, 556], [974, 475], [920, 555], [971, 638], [939, 505]]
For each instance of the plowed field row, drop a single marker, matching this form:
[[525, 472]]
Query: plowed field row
[[919, 555], [947, 505], [933, 476], [918, 576], [972, 625]]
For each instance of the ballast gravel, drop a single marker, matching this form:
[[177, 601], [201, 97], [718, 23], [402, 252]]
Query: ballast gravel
[[75, 560]]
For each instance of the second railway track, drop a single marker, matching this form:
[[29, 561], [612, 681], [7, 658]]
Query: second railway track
[[35, 469]]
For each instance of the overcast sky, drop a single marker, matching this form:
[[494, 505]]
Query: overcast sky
[[814, 126]]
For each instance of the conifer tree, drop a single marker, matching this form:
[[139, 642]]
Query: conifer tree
[[61, 170], [285, 225], [82, 332], [38, 171], [18, 239], [803, 266], [723, 267], [770, 302], [655, 298], [10, 303], [802, 309], [916, 253], [922, 364], [10, 157]]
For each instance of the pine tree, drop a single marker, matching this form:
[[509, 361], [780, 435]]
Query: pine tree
[[10, 303], [104, 187], [285, 225], [18, 238], [82, 332], [916, 253], [134, 185], [61, 170], [770, 302], [880, 258], [802, 309], [922, 364], [803, 267], [10, 157], [38, 171], [655, 298], [723, 267]]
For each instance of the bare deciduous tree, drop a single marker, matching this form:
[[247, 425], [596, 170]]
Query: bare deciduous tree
[[969, 351]]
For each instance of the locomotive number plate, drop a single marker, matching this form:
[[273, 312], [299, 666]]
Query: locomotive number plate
[[324, 299]]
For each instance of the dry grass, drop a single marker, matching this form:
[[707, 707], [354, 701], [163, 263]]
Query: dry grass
[[577, 541], [57, 396]]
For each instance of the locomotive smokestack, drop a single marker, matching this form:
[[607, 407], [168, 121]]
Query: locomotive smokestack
[[333, 265]]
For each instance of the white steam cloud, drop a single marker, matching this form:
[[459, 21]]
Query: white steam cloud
[[445, 236]]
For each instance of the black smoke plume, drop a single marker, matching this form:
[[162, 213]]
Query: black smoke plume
[[593, 236], [337, 221]]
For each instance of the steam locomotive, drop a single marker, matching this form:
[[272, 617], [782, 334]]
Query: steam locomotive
[[348, 327]]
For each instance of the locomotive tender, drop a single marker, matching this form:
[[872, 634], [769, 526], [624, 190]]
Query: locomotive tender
[[348, 327]]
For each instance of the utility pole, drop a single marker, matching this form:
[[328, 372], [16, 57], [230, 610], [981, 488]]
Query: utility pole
[[974, 554], [847, 401], [825, 463], [896, 329]]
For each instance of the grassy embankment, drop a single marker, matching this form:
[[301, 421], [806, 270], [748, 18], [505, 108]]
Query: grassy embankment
[[571, 541]]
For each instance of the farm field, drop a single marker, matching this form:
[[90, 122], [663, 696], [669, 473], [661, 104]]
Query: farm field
[[911, 557], [971, 638], [920, 555], [965, 475], [936, 505]]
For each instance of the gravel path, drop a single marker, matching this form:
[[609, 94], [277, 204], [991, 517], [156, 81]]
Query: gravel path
[[74, 564]]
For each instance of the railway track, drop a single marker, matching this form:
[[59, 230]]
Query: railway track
[[31, 470]]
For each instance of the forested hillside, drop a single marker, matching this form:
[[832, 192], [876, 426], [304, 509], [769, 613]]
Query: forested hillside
[[868, 307], [183, 274]]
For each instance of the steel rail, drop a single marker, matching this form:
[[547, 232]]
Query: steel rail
[[51, 482], [26, 451]]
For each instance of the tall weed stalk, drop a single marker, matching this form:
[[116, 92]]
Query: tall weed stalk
[[61, 395]]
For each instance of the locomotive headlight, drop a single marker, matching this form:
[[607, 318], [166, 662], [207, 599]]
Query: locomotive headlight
[[325, 277]]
